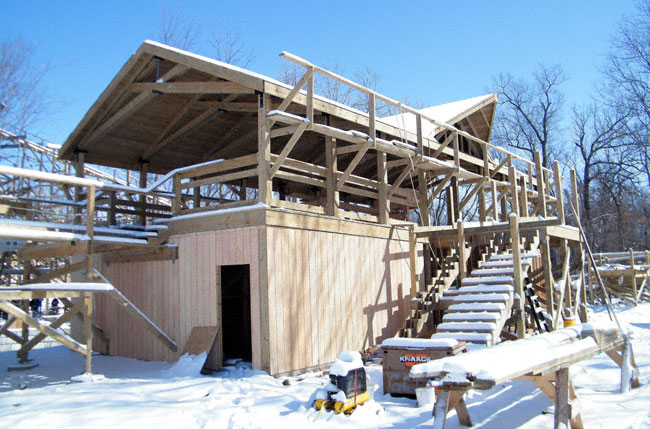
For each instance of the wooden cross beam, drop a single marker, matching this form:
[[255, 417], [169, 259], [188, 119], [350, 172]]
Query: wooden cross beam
[[289, 98], [438, 189], [473, 192], [355, 161], [191, 87], [287, 148], [178, 133], [129, 108], [28, 320], [67, 315], [395, 186]]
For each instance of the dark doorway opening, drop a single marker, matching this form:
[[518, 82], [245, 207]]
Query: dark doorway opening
[[236, 312]]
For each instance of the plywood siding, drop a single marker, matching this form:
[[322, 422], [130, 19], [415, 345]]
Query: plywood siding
[[330, 292], [177, 295]]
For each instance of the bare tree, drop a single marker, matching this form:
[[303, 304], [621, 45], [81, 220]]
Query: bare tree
[[599, 135], [229, 48], [337, 91], [177, 31], [22, 101], [530, 113]]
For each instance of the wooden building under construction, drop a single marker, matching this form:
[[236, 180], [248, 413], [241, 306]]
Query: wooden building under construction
[[286, 219]]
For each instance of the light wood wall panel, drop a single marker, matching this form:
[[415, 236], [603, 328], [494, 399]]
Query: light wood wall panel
[[330, 292], [177, 295]]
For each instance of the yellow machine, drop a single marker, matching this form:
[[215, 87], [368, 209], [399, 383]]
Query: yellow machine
[[347, 386]]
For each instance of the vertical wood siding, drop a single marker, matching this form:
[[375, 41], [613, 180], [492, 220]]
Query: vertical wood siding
[[330, 292], [177, 295], [327, 292]]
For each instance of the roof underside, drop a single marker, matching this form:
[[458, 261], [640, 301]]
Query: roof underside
[[171, 108]]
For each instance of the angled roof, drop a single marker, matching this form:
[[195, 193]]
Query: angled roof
[[172, 108], [476, 110]]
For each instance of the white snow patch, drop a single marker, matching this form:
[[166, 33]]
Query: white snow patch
[[345, 362], [420, 342]]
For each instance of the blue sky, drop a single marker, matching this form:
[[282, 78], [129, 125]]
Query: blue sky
[[428, 52]]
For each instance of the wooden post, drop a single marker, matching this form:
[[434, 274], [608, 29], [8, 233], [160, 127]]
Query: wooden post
[[265, 186], [558, 191], [78, 172], [112, 220], [548, 275], [372, 131], [196, 197], [144, 170], [413, 261], [518, 275], [449, 194], [633, 273], [481, 204], [504, 209], [90, 229], [574, 192], [27, 273], [310, 99], [88, 329], [332, 205], [495, 202], [566, 252], [462, 268], [455, 199], [524, 196], [382, 178], [562, 407], [541, 188], [514, 194], [424, 198], [178, 196]]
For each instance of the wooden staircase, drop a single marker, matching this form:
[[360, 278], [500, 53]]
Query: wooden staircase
[[421, 320], [477, 311]]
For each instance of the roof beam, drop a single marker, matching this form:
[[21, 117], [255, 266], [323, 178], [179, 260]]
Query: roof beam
[[187, 127], [154, 146], [129, 108], [191, 87], [231, 132]]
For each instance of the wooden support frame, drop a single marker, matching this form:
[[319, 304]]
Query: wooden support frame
[[332, 204], [518, 275], [287, 148], [265, 186]]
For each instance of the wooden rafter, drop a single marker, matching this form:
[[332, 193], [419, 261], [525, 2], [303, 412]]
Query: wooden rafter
[[443, 145], [184, 129], [395, 186], [231, 132], [287, 148], [129, 108], [473, 192], [355, 161], [439, 188], [153, 147], [208, 87]]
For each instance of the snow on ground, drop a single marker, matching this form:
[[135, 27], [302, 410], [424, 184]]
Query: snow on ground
[[137, 394]]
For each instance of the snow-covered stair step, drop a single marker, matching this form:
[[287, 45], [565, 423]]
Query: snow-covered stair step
[[483, 272], [495, 288], [503, 263], [471, 281], [483, 327], [482, 316], [491, 307], [483, 297], [502, 256], [468, 337]]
